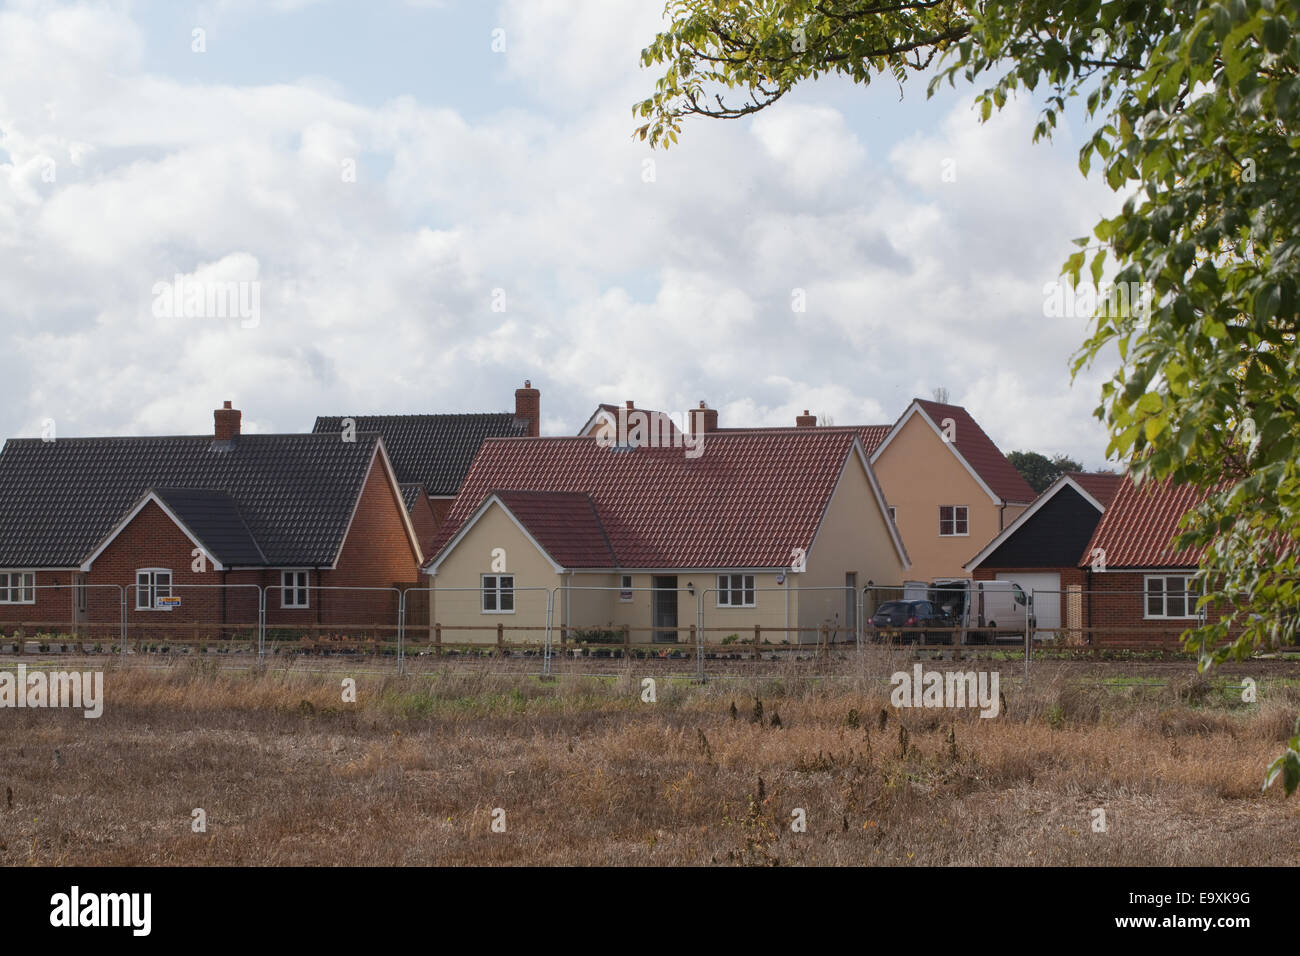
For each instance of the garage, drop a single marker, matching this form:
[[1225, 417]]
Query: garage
[[1047, 606]]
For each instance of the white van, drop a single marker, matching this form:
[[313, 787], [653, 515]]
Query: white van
[[992, 609]]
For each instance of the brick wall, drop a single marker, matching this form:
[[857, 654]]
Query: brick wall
[[426, 523], [53, 605]]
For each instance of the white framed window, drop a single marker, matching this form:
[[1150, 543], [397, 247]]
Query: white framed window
[[498, 594], [954, 521], [293, 589], [1169, 596], [625, 588], [150, 585], [17, 587], [735, 590]]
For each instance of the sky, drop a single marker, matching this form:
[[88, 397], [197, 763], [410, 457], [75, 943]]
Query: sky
[[425, 203]]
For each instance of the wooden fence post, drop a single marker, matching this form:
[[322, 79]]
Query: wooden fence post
[[501, 635], [437, 640], [627, 642], [758, 639]]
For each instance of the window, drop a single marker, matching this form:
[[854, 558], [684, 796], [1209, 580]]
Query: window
[[625, 586], [150, 585], [293, 589], [953, 520], [17, 587], [1170, 595], [498, 594], [735, 590], [893, 514]]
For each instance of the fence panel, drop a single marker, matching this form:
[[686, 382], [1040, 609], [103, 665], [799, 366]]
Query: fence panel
[[442, 624], [331, 620], [62, 618], [1112, 619], [164, 618]]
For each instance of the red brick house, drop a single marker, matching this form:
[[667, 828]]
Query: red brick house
[[1140, 586], [1099, 550], [431, 454], [1040, 549], [189, 528]]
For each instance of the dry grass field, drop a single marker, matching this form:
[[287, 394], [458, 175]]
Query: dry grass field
[[586, 773]]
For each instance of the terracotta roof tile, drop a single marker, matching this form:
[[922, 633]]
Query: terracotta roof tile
[[980, 453], [1140, 524], [1101, 486], [748, 500], [565, 524]]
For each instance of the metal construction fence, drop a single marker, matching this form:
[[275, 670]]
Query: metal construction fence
[[573, 628]]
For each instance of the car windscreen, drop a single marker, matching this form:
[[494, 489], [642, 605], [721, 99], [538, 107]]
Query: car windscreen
[[894, 607]]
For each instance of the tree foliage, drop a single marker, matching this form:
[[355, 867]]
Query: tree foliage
[[1039, 470], [1192, 113]]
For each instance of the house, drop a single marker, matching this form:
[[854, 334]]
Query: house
[[946, 483], [189, 528], [1138, 585], [1041, 548], [948, 486], [432, 453], [778, 529]]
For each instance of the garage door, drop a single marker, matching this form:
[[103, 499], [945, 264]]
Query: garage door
[[1047, 606]]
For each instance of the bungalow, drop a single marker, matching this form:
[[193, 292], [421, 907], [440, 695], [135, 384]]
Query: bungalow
[[1138, 584], [1040, 549], [192, 526], [771, 528], [432, 453]]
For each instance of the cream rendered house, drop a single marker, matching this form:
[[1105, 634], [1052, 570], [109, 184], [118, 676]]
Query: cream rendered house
[[950, 489], [779, 528]]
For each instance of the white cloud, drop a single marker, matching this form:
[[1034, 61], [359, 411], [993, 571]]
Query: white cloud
[[377, 294]]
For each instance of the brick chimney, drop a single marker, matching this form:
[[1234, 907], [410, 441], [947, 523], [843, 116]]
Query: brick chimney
[[227, 423], [805, 420], [528, 408], [704, 419]]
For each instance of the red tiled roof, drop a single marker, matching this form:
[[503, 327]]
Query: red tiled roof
[[565, 524], [980, 453], [873, 435], [1140, 524], [747, 501], [1100, 486]]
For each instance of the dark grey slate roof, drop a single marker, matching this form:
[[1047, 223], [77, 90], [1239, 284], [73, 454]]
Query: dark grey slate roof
[[294, 493], [431, 450], [411, 494], [214, 518]]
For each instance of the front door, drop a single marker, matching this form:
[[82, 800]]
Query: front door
[[79, 611], [664, 610]]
